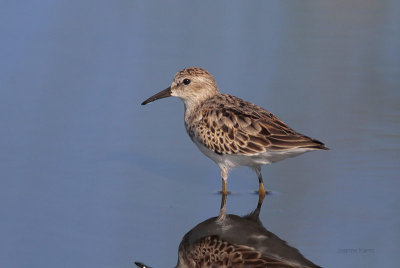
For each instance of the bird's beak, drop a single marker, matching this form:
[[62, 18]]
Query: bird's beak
[[160, 95]]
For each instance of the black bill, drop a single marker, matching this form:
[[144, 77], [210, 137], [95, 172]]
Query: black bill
[[160, 95]]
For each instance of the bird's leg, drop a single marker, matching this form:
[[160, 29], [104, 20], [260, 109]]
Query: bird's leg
[[261, 189], [224, 175], [223, 201], [222, 210]]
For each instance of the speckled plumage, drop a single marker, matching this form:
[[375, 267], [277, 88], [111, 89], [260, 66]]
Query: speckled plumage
[[212, 251], [231, 131], [226, 124]]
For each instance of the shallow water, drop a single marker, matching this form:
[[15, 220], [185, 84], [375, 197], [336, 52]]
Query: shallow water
[[89, 178]]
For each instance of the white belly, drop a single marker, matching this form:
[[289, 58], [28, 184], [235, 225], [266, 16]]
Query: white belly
[[230, 161]]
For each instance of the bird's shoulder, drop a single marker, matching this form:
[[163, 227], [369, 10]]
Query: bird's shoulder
[[237, 109]]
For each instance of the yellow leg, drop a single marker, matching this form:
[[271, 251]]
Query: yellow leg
[[223, 201], [261, 193], [261, 189], [224, 190], [224, 175]]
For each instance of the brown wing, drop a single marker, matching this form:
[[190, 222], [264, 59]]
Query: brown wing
[[211, 251], [230, 125]]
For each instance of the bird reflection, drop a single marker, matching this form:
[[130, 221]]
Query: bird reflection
[[233, 241], [229, 240]]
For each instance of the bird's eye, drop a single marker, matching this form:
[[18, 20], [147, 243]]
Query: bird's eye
[[186, 81]]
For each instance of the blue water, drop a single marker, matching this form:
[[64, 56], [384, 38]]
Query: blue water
[[89, 178]]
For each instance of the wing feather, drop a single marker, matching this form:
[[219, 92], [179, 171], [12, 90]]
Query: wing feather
[[212, 251], [233, 126]]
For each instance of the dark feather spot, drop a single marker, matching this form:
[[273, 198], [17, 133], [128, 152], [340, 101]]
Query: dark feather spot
[[260, 141], [230, 134], [264, 131], [236, 255], [289, 137], [276, 131], [250, 255], [217, 150], [245, 149], [315, 147], [254, 146], [233, 146], [226, 148], [236, 112], [276, 148], [283, 143], [213, 242], [240, 136]]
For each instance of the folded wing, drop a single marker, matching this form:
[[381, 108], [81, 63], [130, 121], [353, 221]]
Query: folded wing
[[240, 127]]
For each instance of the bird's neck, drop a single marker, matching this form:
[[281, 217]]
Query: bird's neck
[[192, 112], [193, 104]]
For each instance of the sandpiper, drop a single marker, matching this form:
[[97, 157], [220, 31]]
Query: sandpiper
[[231, 131]]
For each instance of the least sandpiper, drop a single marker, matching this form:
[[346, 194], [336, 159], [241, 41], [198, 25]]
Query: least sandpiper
[[231, 131]]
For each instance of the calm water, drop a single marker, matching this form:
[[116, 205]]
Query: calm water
[[89, 178]]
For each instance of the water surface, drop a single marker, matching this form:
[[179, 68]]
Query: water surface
[[89, 178]]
